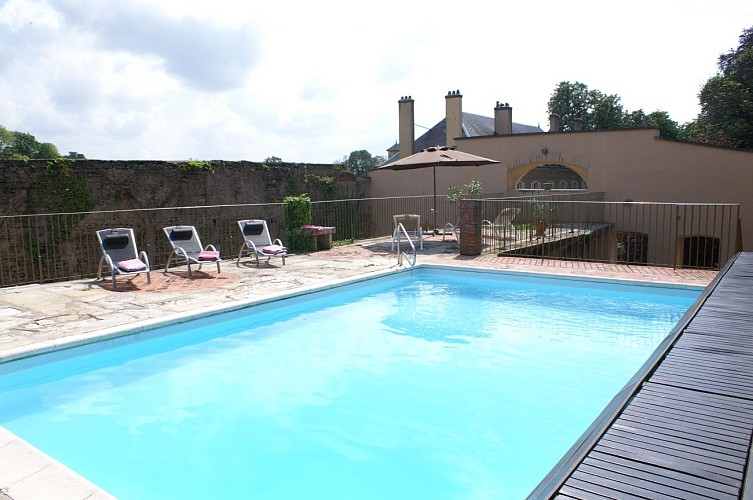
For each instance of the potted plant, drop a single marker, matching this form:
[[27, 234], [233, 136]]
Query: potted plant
[[541, 212], [454, 194]]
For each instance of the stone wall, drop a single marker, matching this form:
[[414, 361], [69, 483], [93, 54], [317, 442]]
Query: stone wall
[[44, 236], [42, 186]]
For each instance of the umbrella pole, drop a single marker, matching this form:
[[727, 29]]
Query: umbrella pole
[[435, 200]]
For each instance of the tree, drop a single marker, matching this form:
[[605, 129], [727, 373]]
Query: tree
[[668, 128], [605, 111], [47, 150], [600, 111], [272, 159], [726, 100], [24, 146], [359, 162], [6, 137], [569, 100]]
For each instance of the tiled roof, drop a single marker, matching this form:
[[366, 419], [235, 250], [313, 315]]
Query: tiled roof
[[473, 126]]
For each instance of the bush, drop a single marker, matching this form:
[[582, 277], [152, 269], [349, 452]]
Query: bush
[[297, 214]]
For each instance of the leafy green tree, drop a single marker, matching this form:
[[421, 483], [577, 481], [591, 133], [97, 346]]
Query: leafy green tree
[[726, 116], [6, 138], [359, 162], [605, 111], [272, 159], [600, 111], [668, 128], [24, 146], [570, 100], [47, 150]]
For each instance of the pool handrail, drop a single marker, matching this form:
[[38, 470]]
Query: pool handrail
[[400, 231]]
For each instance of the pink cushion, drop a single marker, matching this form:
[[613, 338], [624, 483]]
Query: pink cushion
[[209, 255], [131, 266], [309, 226], [273, 249]]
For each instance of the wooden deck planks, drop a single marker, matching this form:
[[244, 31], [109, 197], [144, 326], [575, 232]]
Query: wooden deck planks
[[687, 431]]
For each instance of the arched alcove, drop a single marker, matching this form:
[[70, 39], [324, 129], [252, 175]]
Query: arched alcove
[[551, 176], [551, 173]]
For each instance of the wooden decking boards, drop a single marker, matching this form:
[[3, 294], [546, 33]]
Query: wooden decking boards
[[686, 433]]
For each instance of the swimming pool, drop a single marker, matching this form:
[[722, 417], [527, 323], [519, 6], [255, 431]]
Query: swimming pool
[[433, 383]]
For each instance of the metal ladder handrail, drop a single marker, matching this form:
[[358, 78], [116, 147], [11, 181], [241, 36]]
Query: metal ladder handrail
[[401, 229]]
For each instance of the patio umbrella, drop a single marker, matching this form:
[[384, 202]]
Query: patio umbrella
[[439, 156]]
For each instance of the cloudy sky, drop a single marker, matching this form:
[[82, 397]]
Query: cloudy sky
[[312, 81]]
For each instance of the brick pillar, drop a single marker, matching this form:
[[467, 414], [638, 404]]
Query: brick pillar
[[470, 227]]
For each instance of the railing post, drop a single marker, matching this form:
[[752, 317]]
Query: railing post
[[470, 227]]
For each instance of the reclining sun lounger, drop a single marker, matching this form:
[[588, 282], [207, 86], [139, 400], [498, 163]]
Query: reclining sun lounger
[[121, 255], [186, 244], [257, 241]]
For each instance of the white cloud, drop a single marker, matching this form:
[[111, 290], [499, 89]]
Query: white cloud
[[173, 79]]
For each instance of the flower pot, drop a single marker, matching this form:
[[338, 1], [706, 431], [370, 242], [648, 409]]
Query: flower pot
[[539, 226]]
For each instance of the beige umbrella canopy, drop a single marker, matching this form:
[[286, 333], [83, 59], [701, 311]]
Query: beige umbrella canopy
[[439, 156]]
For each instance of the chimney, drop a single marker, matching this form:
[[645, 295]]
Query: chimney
[[407, 135], [577, 124], [554, 122], [502, 119], [454, 116]]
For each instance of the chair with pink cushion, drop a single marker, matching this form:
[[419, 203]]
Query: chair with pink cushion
[[187, 245], [257, 241], [120, 253]]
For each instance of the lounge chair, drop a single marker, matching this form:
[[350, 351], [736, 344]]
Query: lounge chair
[[120, 253], [257, 241], [503, 225], [412, 225], [186, 244]]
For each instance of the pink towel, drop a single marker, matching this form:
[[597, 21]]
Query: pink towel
[[273, 249], [209, 255], [311, 227], [132, 265]]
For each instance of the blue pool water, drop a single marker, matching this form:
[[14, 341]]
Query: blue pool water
[[431, 384]]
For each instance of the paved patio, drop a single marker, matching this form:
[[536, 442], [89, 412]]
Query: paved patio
[[35, 317]]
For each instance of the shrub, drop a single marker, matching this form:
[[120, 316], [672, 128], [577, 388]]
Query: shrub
[[297, 214]]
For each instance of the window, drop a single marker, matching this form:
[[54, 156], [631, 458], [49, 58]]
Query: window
[[632, 247], [535, 185], [563, 184], [700, 251], [575, 185], [521, 185]]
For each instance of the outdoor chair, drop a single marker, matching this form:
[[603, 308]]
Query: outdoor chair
[[503, 225], [412, 225], [187, 245], [120, 253], [257, 241], [453, 229]]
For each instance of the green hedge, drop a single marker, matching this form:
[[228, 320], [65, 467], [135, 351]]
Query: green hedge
[[297, 214]]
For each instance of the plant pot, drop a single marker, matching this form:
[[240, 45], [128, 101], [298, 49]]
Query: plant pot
[[539, 226]]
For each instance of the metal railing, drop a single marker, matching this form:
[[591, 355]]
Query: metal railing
[[690, 235], [62, 246], [400, 232]]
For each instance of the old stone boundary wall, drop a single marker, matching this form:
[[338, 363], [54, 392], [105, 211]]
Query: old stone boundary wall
[[49, 186], [39, 248]]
